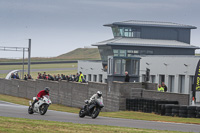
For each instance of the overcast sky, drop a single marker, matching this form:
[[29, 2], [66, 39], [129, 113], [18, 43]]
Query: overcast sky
[[59, 26]]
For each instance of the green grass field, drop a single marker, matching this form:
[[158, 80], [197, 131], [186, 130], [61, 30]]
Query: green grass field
[[20, 125], [120, 114]]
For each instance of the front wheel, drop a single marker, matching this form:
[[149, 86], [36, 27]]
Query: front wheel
[[43, 109], [30, 110], [82, 113], [95, 113]]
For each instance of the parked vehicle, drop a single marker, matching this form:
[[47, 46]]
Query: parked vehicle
[[93, 109], [41, 106]]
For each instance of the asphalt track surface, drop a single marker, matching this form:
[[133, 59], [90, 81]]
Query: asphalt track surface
[[20, 111]]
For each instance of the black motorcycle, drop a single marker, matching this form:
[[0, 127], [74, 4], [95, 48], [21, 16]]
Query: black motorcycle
[[93, 109]]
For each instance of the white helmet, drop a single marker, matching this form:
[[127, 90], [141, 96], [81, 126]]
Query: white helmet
[[99, 93]]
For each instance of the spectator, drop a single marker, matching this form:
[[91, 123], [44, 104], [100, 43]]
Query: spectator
[[44, 75], [13, 76], [83, 80], [39, 76], [58, 77], [160, 88], [17, 76], [80, 78], [77, 77], [164, 86], [63, 77], [126, 77], [25, 77], [29, 76], [55, 78], [50, 77]]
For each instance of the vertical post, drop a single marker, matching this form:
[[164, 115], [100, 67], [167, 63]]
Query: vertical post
[[29, 56], [23, 65]]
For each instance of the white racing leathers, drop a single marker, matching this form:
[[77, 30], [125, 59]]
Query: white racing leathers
[[95, 96]]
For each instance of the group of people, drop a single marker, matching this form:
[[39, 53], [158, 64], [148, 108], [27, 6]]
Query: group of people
[[76, 78], [162, 87], [15, 76]]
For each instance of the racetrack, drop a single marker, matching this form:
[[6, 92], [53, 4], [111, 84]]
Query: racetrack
[[20, 111]]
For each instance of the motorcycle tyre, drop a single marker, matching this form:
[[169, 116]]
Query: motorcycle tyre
[[45, 109], [81, 113], [30, 110], [95, 113]]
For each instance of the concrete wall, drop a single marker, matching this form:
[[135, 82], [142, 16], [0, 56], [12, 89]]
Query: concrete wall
[[73, 94]]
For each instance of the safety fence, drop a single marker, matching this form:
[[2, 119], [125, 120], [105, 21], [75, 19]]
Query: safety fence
[[163, 107]]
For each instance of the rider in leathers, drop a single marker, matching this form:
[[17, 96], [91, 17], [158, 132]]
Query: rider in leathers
[[41, 94], [98, 95]]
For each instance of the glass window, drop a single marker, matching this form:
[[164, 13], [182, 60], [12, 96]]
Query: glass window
[[129, 51], [89, 77], [123, 66], [171, 83], [143, 52], [115, 51], [135, 67], [117, 66], [122, 53], [181, 83], [150, 52], [153, 78], [136, 52]]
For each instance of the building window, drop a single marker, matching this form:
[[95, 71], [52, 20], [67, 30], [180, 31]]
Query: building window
[[161, 79], [117, 66], [135, 68], [152, 78], [95, 78], [191, 82], [181, 84], [122, 53], [123, 66], [171, 83], [142, 52], [143, 77], [89, 77], [100, 77], [149, 52]]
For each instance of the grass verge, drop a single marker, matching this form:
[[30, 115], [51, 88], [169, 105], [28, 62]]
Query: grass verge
[[15, 125], [120, 114]]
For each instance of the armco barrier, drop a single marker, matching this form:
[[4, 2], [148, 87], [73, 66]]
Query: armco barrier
[[73, 94]]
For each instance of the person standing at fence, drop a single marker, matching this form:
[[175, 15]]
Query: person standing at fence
[[126, 77], [164, 86], [160, 88], [80, 77]]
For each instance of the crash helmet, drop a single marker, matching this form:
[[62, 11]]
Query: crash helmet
[[47, 89], [99, 93]]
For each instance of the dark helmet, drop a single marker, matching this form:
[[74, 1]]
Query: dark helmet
[[99, 93], [47, 89]]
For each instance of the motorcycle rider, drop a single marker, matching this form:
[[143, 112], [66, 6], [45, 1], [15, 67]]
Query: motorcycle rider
[[98, 95], [41, 94]]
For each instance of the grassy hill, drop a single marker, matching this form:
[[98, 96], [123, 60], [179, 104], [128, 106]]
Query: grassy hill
[[77, 54], [81, 54]]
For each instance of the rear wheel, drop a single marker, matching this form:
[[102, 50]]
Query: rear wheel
[[30, 110], [95, 113], [43, 109], [82, 113]]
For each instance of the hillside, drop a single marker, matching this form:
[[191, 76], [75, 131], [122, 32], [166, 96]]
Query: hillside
[[81, 54], [77, 54]]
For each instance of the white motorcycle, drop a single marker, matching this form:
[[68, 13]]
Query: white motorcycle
[[41, 106]]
